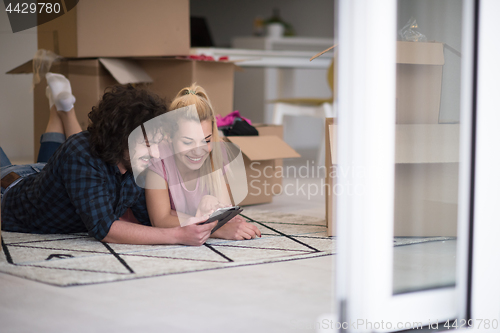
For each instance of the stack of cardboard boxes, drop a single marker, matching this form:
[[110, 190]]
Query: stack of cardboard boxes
[[126, 41], [426, 170]]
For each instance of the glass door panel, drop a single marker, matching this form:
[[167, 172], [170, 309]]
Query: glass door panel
[[428, 71]]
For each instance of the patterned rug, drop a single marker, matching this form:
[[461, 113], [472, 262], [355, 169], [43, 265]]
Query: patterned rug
[[76, 259]]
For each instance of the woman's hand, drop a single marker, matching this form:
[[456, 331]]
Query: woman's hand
[[208, 204], [237, 229]]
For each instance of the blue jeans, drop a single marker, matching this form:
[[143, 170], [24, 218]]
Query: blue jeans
[[49, 142]]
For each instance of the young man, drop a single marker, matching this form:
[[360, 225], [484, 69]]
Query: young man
[[87, 184]]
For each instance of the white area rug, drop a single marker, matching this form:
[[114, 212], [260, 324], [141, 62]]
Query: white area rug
[[76, 259]]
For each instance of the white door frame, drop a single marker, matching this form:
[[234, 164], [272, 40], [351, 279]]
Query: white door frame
[[485, 284], [366, 101]]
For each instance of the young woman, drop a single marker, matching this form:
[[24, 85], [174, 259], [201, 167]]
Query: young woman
[[191, 169]]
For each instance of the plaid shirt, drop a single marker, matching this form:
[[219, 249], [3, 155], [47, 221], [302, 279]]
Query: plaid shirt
[[75, 192]]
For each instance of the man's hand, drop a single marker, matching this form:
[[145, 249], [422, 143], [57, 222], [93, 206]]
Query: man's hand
[[237, 229], [195, 234], [208, 204]]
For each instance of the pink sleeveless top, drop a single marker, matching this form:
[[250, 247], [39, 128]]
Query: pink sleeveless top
[[181, 199]]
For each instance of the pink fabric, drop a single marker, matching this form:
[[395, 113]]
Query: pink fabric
[[229, 119], [202, 57], [181, 199]]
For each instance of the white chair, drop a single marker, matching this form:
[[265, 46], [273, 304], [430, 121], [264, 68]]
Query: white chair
[[311, 107]]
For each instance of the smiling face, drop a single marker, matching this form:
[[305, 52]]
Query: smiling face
[[191, 143], [143, 150]]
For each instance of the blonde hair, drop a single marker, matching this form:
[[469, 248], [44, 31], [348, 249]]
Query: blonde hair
[[197, 96]]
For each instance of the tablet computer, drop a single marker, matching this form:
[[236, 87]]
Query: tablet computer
[[223, 215]]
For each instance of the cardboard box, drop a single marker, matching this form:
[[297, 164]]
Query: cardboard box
[[276, 130], [419, 72], [426, 170], [259, 155], [166, 77], [119, 28], [171, 75], [426, 199], [426, 179], [330, 175], [88, 80]]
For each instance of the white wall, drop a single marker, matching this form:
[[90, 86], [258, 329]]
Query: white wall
[[229, 18], [16, 107], [440, 21]]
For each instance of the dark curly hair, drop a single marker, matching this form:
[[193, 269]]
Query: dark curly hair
[[119, 112]]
